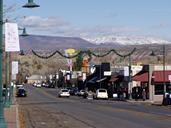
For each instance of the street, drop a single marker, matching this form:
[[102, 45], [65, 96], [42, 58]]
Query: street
[[43, 109]]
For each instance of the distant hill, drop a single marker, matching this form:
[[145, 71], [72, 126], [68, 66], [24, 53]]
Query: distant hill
[[37, 42], [52, 43]]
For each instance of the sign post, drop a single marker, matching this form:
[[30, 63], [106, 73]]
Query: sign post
[[11, 45]]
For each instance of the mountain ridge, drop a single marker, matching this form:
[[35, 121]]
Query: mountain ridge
[[127, 40], [36, 42]]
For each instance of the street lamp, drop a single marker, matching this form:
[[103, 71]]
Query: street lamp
[[24, 33], [9, 88], [130, 79], [2, 120], [164, 65], [7, 79], [30, 4]]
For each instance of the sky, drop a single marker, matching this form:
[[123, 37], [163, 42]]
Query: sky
[[94, 18]]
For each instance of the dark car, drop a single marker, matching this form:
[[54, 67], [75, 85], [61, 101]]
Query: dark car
[[21, 92], [73, 91]]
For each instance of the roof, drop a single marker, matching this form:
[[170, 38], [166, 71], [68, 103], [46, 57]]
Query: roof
[[161, 76], [143, 77]]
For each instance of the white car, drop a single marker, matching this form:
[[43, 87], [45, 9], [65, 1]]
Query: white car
[[101, 94], [64, 93], [34, 84], [39, 85]]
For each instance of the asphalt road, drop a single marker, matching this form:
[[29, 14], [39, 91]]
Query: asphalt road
[[43, 109]]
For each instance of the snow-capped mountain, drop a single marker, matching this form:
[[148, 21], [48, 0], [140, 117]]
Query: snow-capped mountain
[[125, 40]]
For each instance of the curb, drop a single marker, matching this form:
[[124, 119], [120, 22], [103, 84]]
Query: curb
[[140, 102]]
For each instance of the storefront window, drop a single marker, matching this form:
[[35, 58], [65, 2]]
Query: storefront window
[[168, 88], [159, 89]]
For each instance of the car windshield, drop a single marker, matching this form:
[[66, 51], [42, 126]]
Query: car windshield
[[65, 90], [102, 90], [19, 85]]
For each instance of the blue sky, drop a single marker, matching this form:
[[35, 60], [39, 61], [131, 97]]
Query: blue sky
[[91, 18]]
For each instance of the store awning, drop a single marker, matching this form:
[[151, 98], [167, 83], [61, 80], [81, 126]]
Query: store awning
[[93, 80], [113, 79], [96, 79], [102, 79], [143, 77], [161, 76]]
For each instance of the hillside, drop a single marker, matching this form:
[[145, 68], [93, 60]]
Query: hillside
[[53, 43]]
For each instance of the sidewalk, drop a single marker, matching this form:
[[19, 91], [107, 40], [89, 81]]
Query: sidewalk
[[11, 116], [146, 102]]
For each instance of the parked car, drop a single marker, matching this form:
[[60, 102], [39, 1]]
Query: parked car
[[88, 95], [19, 85], [101, 94], [115, 96], [34, 84], [39, 85], [64, 93], [73, 91], [21, 92], [81, 93]]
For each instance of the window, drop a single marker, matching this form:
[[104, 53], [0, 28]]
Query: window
[[102, 90], [159, 89]]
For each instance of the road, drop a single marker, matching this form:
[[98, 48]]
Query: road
[[43, 109]]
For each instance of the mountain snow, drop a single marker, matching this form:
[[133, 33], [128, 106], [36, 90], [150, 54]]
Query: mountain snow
[[125, 40]]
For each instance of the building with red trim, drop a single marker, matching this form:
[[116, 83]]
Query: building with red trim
[[153, 80]]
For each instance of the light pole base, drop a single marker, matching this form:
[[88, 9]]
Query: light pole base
[[3, 124], [7, 105], [130, 96]]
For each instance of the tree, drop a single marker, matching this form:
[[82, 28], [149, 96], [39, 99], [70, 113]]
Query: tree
[[78, 62]]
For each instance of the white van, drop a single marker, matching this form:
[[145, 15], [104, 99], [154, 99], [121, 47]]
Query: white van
[[101, 94]]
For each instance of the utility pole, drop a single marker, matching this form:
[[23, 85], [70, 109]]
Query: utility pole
[[164, 64], [2, 120], [130, 81]]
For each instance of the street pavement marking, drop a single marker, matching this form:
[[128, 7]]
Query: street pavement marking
[[137, 113]]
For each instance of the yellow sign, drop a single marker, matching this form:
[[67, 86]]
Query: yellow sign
[[70, 51]]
